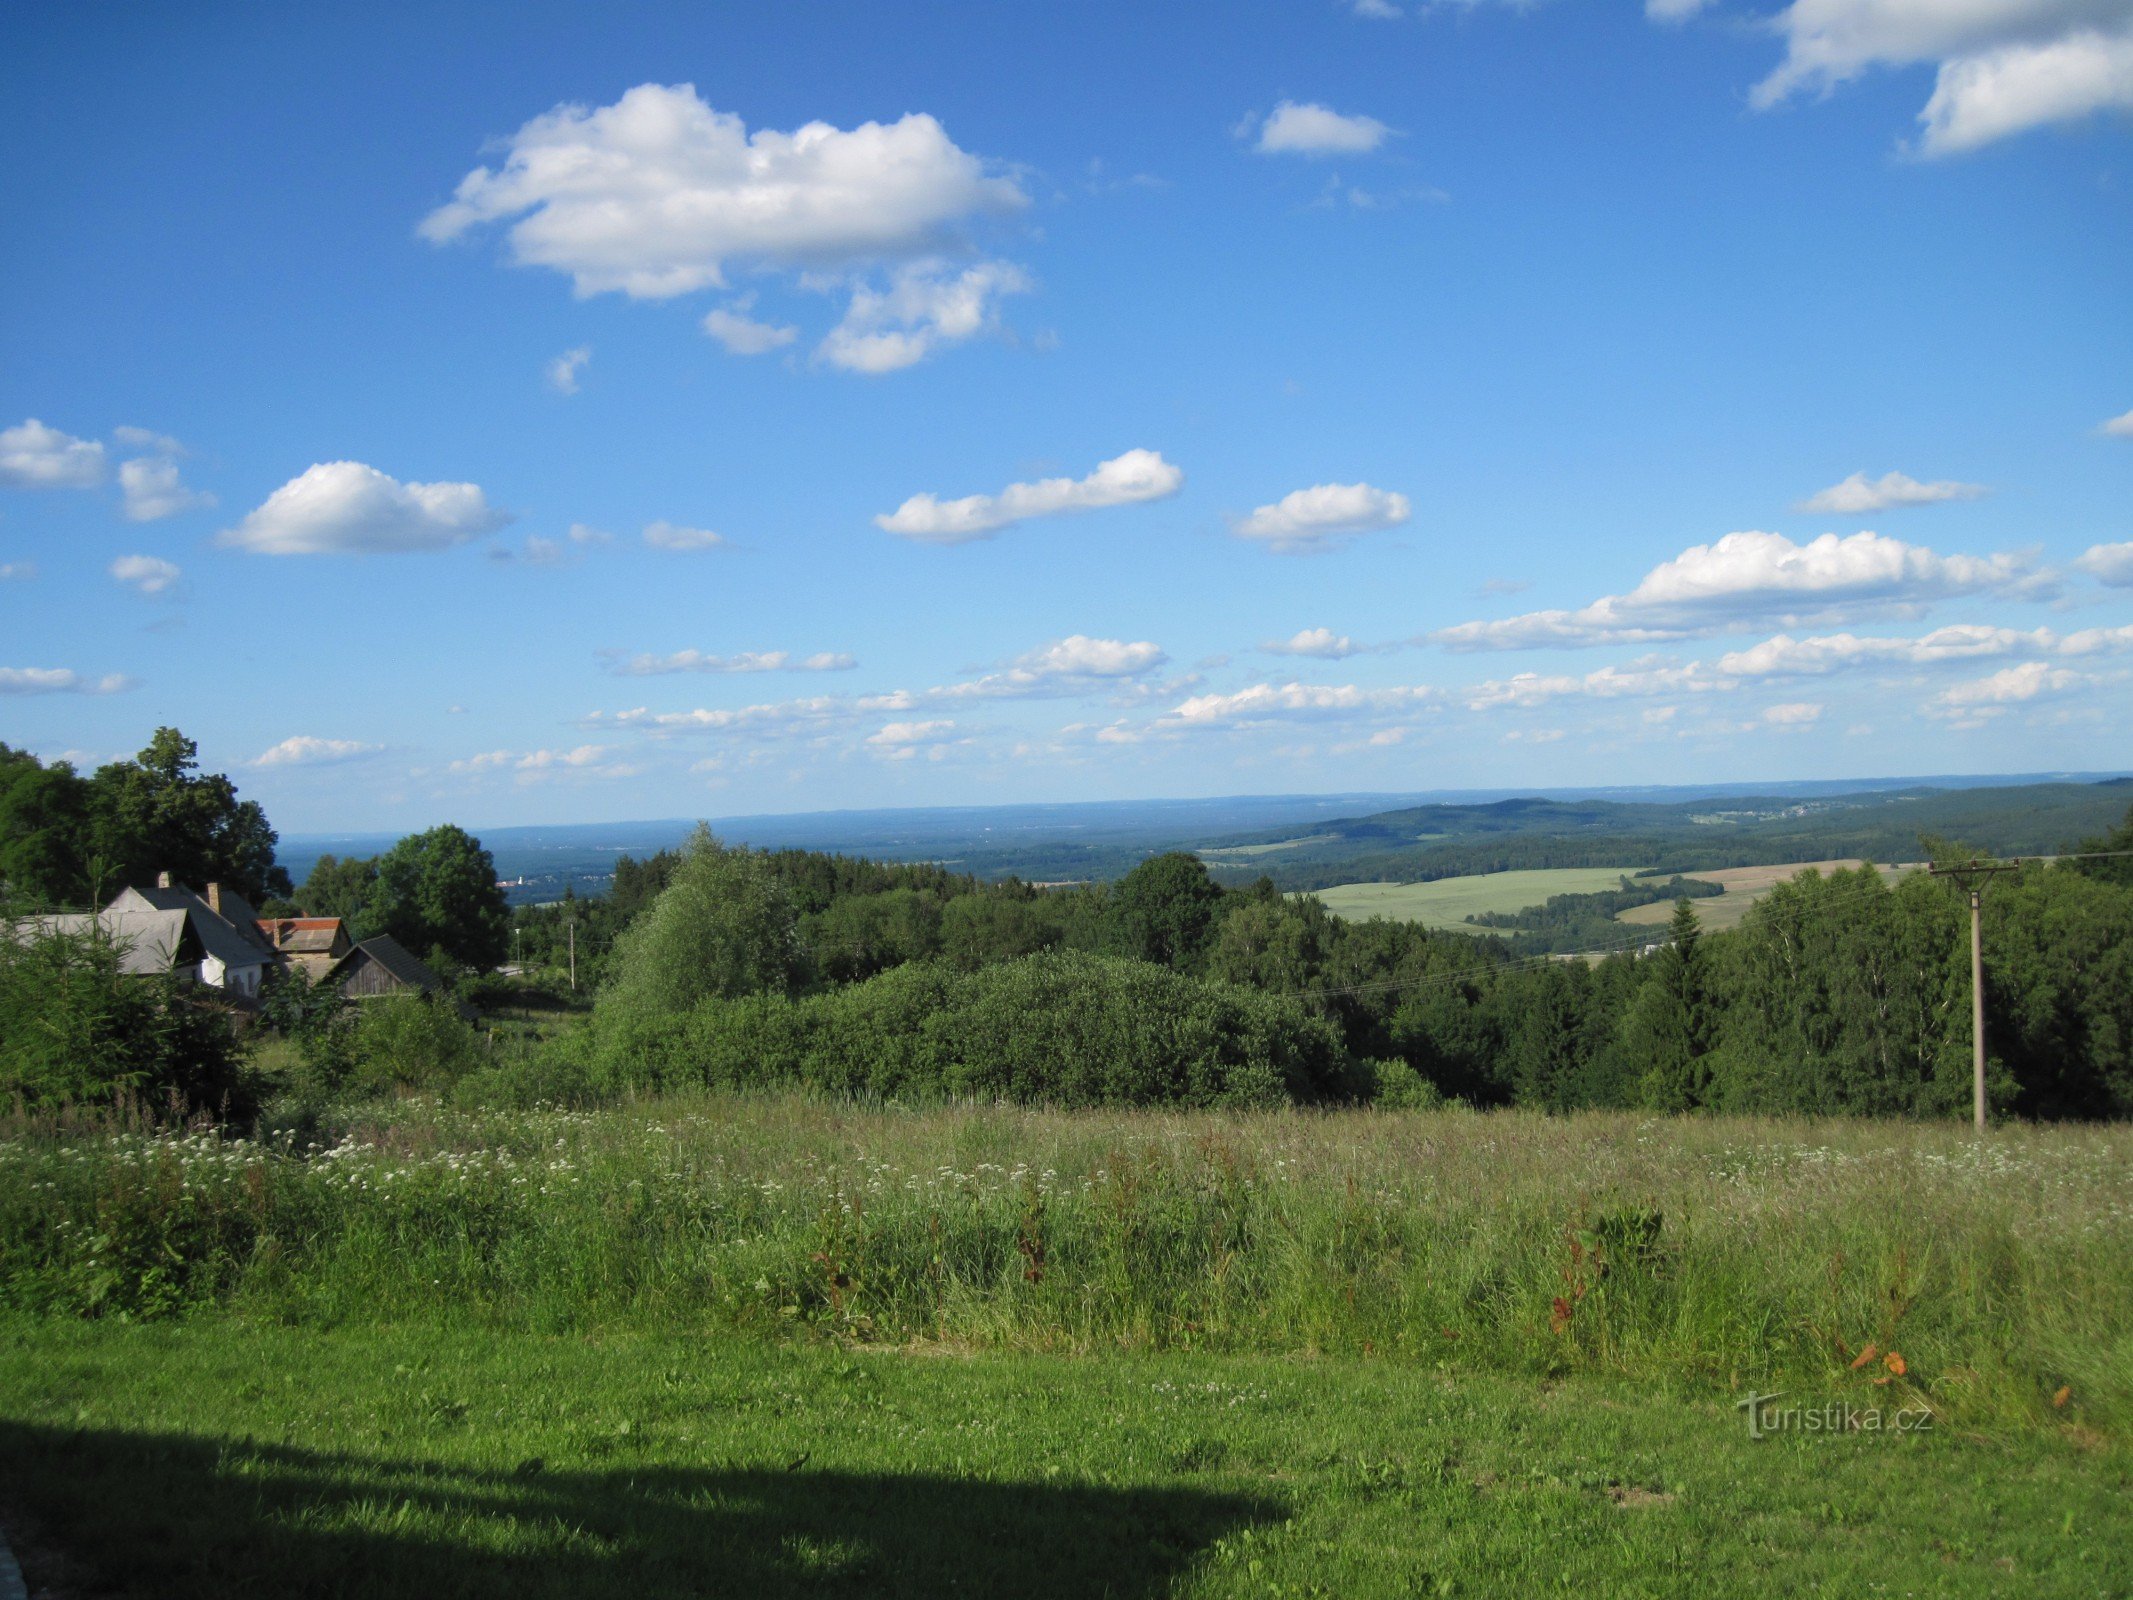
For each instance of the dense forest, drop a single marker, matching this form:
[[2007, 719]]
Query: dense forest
[[713, 965]]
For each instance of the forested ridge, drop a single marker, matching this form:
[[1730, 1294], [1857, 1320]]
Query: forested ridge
[[709, 964]]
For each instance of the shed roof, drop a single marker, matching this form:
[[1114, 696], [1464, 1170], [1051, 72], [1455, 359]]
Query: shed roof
[[396, 959]]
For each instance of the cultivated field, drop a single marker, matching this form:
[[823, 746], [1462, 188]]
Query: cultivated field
[[765, 1345], [1744, 886], [1447, 902]]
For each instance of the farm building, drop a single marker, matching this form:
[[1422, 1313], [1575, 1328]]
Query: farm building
[[311, 944], [382, 966], [210, 938]]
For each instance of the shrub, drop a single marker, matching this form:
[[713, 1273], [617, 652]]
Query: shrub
[[1398, 1087], [1065, 1028], [411, 1041]]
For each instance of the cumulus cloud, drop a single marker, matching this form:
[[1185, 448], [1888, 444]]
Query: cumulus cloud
[[1323, 643], [1637, 679], [33, 456], [1077, 664], [2002, 66], [927, 304], [1860, 495], [564, 369], [817, 714], [535, 766], [742, 335], [901, 741], [1784, 656], [1745, 577], [148, 440], [1323, 516], [1308, 129], [2120, 427], [1136, 476], [2109, 563], [1797, 714], [305, 750], [648, 666], [347, 508], [1262, 703], [153, 489], [59, 680], [2010, 686], [664, 535], [145, 574], [658, 194]]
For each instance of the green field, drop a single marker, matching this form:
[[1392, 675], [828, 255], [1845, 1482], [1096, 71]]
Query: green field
[[217, 1458], [764, 1344], [1744, 886], [1447, 902]]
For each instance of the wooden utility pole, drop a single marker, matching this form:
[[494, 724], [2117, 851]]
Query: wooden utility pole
[[1971, 875], [572, 925]]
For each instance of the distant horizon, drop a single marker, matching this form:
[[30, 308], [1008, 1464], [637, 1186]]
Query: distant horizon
[[1776, 788]]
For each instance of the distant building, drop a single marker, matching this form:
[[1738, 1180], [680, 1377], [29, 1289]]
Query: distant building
[[382, 966], [311, 944], [211, 938]]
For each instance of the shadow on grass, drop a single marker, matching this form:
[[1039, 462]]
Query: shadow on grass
[[179, 1515]]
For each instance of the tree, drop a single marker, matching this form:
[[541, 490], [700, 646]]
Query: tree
[[340, 886], [723, 926], [436, 891], [1164, 909], [44, 831], [160, 813], [1668, 1028]]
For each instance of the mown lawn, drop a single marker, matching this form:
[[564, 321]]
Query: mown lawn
[[220, 1456]]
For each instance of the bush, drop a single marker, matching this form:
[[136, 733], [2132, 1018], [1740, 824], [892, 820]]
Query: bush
[[1396, 1086], [74, 1029], [1063, 1028], [407, 1041]]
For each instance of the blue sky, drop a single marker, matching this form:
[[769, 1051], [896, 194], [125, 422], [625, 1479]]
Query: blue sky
[[540, 413]]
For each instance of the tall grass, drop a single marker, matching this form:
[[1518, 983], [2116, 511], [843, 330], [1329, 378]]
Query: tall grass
[[1705, 1252]]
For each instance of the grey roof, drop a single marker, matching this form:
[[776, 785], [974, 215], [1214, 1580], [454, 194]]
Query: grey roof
[[396, 959], [226, 941], [150, 941]]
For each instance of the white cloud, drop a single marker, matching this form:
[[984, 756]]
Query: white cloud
[[1860, 495], [2010, 686], [664, 535], [538, 551], [154, 490], [1136, 476], [901, 741], [564, 369], [2109, 564], [1323, 643], [1323, 515], [742, 335], [2097, 641], [345, 507], [1797, 714], [1748, 576], [1261, 702], [1376, 10], [1077, 664], [2119, 427], [59, 680], [147, 574], [33, 456], [818, 714], [927, 304], [17, 571], [1673, 10], [305, 750], [147, 439], [646, 666], [658, 193], [1784, 656], [1638, 678], [1308, 129], [2002, 66], [535, 766]]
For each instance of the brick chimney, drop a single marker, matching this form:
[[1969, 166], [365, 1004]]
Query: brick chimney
[[214, 898], [162, 880]]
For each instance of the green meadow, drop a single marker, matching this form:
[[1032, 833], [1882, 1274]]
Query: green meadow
[[766, 1344], [1447, 902]]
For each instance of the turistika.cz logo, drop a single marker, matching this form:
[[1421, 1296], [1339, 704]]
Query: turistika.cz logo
[[1766, 1417]]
